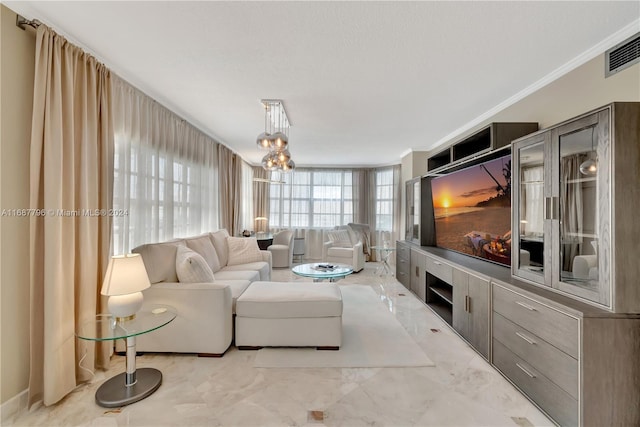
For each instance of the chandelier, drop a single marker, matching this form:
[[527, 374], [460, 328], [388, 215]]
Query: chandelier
[[275, 137]]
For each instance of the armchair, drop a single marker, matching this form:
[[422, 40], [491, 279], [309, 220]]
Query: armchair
[[344, 248], [282, 249]]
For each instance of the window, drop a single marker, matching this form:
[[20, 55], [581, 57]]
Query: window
[[311, 199], [165, 173]]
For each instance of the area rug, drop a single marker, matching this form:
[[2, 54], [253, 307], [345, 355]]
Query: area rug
[[371, 338]]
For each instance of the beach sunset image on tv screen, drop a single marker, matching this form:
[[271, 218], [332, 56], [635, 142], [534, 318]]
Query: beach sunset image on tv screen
[[472, 209]]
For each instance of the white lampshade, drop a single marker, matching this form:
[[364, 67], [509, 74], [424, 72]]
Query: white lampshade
[[126, 277]]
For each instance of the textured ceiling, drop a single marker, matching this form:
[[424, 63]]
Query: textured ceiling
[[363, 82]]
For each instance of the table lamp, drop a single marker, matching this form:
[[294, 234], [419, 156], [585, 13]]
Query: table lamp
[[261, 222], [125, 279]]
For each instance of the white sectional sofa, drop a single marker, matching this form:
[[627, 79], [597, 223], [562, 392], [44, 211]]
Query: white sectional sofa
[[204, 324]]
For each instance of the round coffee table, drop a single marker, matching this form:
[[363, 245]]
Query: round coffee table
[[320, 271], [132, 385]]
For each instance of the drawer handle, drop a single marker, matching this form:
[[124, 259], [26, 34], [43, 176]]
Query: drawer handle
[[527, 306], [526, 338], [437, 263], [525, 371]]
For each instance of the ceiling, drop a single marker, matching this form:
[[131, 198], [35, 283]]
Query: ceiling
[[363, 82]]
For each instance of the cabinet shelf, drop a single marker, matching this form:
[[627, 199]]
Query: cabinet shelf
[[580, 180], [587, 235], [446, 293], [485, 140]]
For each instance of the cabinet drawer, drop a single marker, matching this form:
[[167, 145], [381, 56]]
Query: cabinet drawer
[[403, 252], [552, 399], [558, 329], [402, 272], [554, 364], [440, 269]]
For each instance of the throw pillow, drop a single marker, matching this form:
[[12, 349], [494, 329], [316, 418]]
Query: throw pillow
[[204, 246], [243, 250], [219, 239], [191, 267], [340, 238]]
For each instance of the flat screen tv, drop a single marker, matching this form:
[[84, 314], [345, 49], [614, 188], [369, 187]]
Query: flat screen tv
[[472, 210]]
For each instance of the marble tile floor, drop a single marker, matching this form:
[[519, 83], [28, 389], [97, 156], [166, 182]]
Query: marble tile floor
[[461, 390]]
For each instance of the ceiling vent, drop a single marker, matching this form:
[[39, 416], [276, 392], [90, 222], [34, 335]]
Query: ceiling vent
[[622, 55]]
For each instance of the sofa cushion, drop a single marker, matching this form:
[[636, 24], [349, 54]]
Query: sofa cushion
[[243, 250], [160, 260], [219, 240], [237, 287], [282, 300], [259, 266], [225, 274], [191, 267], [340, 238], [203, 246]]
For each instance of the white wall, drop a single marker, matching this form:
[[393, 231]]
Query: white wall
[[17, 51]]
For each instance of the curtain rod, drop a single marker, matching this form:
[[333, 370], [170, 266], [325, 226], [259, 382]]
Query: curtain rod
[[22, 22]]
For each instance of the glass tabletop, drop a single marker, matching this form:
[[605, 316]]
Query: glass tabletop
[[105, 327], [317, 271]]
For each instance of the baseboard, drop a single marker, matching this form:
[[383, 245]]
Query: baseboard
[[14, 405]]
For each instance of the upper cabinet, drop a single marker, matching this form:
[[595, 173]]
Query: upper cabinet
[[487, 139], [576, 193]]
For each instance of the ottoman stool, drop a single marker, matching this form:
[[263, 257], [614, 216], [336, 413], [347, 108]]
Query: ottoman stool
[[281, 314]]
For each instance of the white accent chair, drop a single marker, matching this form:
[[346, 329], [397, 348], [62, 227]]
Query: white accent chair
[[282, 249], [344, 250]]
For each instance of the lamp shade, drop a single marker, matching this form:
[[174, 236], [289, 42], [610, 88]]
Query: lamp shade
[[126, 274]]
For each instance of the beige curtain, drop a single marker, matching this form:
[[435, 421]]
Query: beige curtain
[[71, 170], [165, 172], [572, 211], [261, 191], [230, 178]]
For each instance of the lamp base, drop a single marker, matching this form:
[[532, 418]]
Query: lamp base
[[113, 393], [125, 307]]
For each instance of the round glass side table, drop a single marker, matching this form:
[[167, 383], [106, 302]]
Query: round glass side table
[[385, 252], [133, 385]]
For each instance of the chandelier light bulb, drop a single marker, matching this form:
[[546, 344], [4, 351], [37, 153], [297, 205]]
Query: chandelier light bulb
[[280, 141], [284, 156], [263, 140]]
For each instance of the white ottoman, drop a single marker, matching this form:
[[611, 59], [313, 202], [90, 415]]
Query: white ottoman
[[281, 314]]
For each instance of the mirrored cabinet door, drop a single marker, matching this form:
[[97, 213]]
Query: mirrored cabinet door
[[582, 208], [416, 211], [529, 257]]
